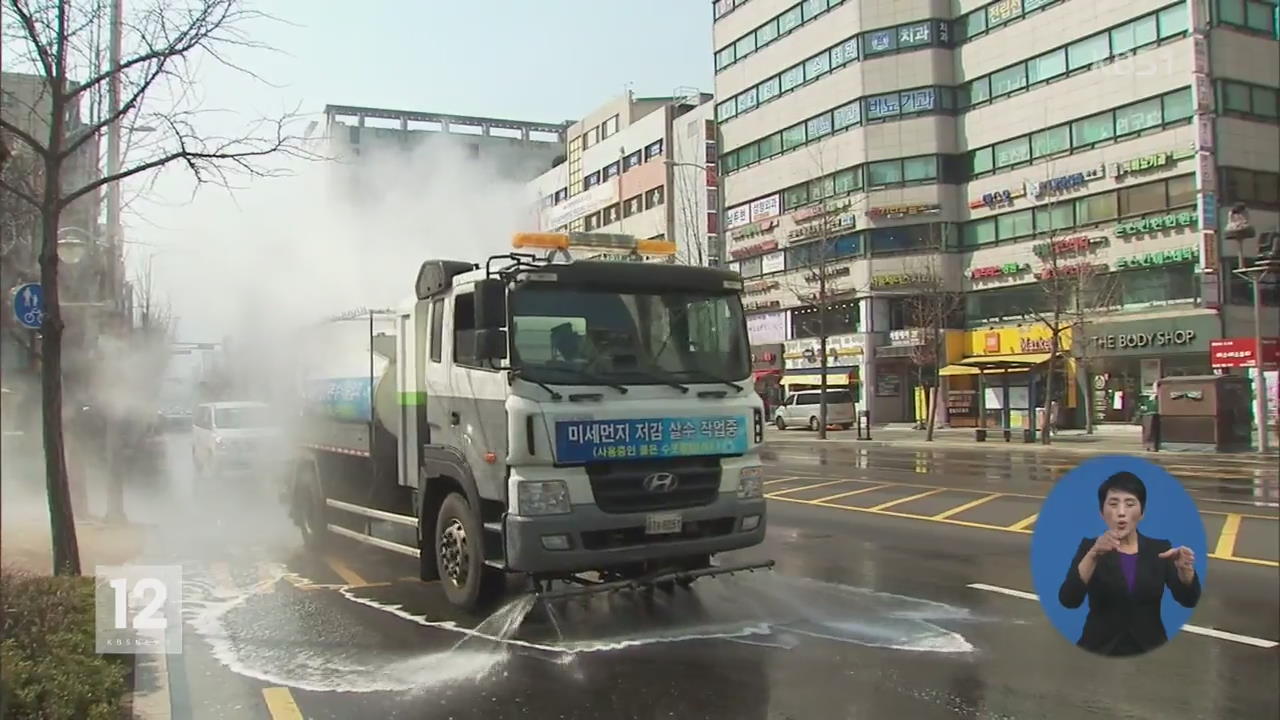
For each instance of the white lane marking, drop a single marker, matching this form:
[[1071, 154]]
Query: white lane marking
[[1196, 629]]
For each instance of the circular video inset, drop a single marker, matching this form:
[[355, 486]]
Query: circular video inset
[[1118, 556]]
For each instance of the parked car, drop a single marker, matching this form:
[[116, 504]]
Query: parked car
[[802, 409]]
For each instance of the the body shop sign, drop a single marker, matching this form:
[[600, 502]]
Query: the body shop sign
[[1152, 337]]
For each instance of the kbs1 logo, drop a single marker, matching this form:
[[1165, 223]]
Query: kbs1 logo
[[138, 609]]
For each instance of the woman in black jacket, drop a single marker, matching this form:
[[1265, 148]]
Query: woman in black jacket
[[1124, 574]]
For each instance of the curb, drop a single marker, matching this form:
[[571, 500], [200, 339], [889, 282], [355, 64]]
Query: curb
[[151, 687], [1028, 447]]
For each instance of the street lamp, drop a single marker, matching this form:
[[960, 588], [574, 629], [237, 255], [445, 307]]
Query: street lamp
[[73, 245], [1256, 274]]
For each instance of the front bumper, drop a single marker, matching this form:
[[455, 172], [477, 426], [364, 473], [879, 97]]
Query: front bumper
[[600, 540]]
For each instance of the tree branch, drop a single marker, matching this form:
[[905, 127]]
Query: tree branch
[[27, 20], [36, 146], [22, 194]]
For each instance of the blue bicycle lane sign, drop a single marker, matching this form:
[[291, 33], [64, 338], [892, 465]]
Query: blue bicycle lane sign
[[28, 305]]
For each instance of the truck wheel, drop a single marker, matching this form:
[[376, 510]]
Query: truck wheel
[[309, 505], [459, 548]]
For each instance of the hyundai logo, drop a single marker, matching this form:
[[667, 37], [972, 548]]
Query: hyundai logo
[[661, 482]]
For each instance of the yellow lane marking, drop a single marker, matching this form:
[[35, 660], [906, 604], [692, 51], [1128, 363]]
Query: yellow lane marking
[[909, 498], [778, 480], [967, 506], [814, 485], [1024, 523], [980, 491], [1227, 538], [982, 526], [854, 492], [280, 704], [349, 576]]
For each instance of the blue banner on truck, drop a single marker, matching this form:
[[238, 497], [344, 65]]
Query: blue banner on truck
[[341, 398], [639, 439]]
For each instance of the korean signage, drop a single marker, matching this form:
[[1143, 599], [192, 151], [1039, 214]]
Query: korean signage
[[899, 211], [773, 262], [1156, 224], [579, 441], [580, 205], [1161, 257], [737, 217], [886, 280], [767, 328], [755, 305], [1054, 187], [811, 212], [1073, 270], [760, 287], [1003, 11], [910, 337], [842, 351], [995, 271], [756, 249], [1034, 338], [755, 229], [1238, 353], [1148, 163], [829, 225], [1075, 245], [813, 277], [765, 208], [998, 198], [1153, 336]]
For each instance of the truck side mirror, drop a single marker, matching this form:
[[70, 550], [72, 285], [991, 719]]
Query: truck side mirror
[[490, 345], [490, 304]]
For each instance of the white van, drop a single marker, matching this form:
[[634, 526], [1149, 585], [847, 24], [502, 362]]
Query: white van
[[801, 410], [231, 437]]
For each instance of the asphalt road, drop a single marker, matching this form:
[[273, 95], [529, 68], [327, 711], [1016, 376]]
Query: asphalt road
[[872, 611]]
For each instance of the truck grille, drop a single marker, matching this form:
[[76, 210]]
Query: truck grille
[[619, 487]]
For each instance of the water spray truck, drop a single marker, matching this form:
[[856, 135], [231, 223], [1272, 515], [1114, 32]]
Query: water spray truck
[[588, 424]]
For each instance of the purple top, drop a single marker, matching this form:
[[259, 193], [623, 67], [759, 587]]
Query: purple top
[[1129, 566]]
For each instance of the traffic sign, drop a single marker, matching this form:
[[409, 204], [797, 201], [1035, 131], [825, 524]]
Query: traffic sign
[[28, 305]]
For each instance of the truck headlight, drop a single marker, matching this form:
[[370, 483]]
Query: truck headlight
[[751, 482], [542, 497]]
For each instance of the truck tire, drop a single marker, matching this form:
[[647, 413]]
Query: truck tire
[[459, 549], [309, 507]]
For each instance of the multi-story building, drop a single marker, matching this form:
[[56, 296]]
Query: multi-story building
[[640, 166], [977, 150]]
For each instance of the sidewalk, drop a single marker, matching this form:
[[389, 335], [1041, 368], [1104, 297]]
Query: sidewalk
[[1105, 439]]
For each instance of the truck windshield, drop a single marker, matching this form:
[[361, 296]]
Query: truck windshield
[[235, 418], [563, 334]]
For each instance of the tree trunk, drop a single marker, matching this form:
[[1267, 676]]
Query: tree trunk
[[1048, 389], [62, 525]]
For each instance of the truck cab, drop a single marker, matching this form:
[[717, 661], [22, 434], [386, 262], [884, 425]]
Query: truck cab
[[575, 417]]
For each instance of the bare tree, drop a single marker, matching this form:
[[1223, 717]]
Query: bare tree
[[1074, 291], [931, 306], [691, 214], [153, 56]]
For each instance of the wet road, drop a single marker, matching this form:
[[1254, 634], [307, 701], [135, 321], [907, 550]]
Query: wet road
[[870, 613]]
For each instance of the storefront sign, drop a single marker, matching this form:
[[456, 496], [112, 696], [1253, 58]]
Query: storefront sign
[[775, 262], [1076, 245], [1153, 336], [997, 199], [580, 205], [767, 328], [766, 207], [812, 212], [756, 249], [1162, 257], [760, 288], [1057, 186], [1147, 163], [832, 224], [1238, 353], [1072, 270], [1156, 224], [765, 356], [813, 277], [755, 229], [737, 217], [898, 279], [994, 271], [761, 305], [842, 351], [1035, 345], [1031, 338], [899, 211], [910, 337]]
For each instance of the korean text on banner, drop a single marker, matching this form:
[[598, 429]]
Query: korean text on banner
[[640, 439]]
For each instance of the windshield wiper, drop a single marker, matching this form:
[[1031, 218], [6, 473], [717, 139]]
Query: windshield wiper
[[708, 377], [662, 377], [554, 395], [587, 375]]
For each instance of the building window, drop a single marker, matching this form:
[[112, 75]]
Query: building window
[[631, 160], [888, 172], [1013, 152], [1051, 141], [1138, 117], [653, 198], [1088, 51], [767, 33], [792, 78], [611, 215], [1054, 217], [592, 180], [769, 89], [1096, 209], [610, 127], [1015, 224], [611, 170], [633, 205], [1093, 130], [770, 146], [1008, 80], [979, 232], [653, 150], [793, 137], [920, 169], [1163, 284], [790, 20], [592, 222], [1047, 66], [1182, 191], [591, 138], [561, 195]]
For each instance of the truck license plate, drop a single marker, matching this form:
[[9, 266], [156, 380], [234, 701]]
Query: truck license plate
[[663, 523]]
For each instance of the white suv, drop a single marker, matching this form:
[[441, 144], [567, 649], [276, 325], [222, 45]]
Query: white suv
[[230, 437], [801, 410]]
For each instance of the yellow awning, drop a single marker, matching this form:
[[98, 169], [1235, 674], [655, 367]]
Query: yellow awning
[[1010, 362], [833, 379]]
